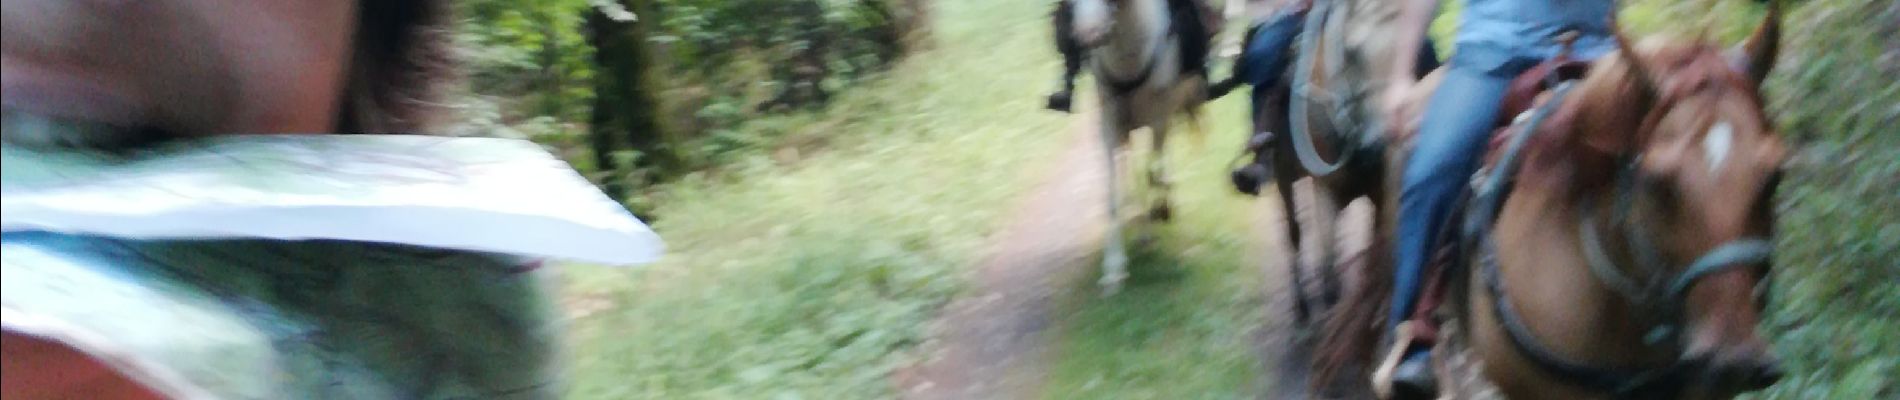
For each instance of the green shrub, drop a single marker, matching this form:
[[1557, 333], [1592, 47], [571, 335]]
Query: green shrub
[[723, 63], [1837, 297]]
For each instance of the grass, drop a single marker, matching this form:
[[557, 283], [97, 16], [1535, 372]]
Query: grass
[[1183, 326], [810, 276]]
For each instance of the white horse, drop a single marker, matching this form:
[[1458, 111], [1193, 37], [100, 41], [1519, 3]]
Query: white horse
[[1136, 50]]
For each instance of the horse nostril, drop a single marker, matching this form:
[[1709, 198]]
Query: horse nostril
[[1765, 374]]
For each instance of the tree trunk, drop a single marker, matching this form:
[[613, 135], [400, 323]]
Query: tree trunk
[[626, 110]]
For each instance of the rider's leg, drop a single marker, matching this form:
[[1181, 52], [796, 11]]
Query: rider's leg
[[1072, 56], [1262, 61], [1457, 124], [1263, 55], [1450, 140]]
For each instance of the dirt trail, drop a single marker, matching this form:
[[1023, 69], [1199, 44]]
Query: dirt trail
[[1285, 348], [993, 343]]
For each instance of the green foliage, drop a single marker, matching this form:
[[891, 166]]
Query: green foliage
[[812, 275], [531, 53], [722, 64], [1837, 309], [736, 60]]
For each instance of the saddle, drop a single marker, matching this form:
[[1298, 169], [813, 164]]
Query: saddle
[[1521, 98]]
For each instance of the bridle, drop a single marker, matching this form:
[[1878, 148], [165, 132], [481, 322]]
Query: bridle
[[1120, 86], [1654, 288]]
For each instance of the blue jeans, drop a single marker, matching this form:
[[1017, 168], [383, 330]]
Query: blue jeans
[[1450, 142], [1265, 59]]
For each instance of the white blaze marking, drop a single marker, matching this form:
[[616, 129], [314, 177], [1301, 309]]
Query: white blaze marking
[[1715, 144]]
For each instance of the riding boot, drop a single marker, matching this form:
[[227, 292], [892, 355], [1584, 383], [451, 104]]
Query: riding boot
[[1406, 373], [1413, 378], [1248, 178], [1061, 99], [1072, 57]]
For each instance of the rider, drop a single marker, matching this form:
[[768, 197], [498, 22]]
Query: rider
[[1264, 60], [1195, 19], [1497, 40]]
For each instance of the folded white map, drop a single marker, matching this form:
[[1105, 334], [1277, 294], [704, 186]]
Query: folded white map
[[494, 195]]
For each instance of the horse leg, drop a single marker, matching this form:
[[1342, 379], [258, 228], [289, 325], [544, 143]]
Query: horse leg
[[1326, 224], [1158, 184], [1114, 256], [1283, 181]]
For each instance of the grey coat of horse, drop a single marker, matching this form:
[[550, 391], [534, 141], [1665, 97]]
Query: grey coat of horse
[[1136, 49]]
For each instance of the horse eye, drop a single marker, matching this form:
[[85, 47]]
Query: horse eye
[[1664, 191], [1768, 188]]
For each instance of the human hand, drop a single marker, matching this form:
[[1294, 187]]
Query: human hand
[[1392, 107]]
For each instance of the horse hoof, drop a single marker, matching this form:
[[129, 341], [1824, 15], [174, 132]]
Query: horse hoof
[[1114, 271], [1112, 284], [1059, 101], [1160, 213], [1247, 180]]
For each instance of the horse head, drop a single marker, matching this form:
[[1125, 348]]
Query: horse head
[[1677, 137]]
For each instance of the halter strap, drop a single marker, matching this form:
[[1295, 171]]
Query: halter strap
[[1745, 251]]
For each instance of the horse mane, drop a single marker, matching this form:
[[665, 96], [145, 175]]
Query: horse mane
[[1612, 111]]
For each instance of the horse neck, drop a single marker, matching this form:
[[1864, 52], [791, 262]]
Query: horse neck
[[1550, 283], [1138, 23]]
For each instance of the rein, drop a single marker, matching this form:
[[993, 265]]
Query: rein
[[1657, 291], [1303, 147]]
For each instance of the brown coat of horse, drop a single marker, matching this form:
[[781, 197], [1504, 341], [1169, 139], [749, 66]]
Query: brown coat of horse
[[1675, 131]]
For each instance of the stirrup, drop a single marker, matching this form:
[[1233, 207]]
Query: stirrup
[[1401, 345]]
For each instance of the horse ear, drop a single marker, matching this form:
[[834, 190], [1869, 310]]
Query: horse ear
[[1759, 52], [1646, 87], [1617, 101]]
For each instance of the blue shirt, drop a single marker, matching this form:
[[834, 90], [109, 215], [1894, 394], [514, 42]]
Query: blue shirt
[[1497, 34]]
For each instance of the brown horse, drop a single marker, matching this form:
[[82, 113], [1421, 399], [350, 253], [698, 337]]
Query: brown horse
[[1621, 253]]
